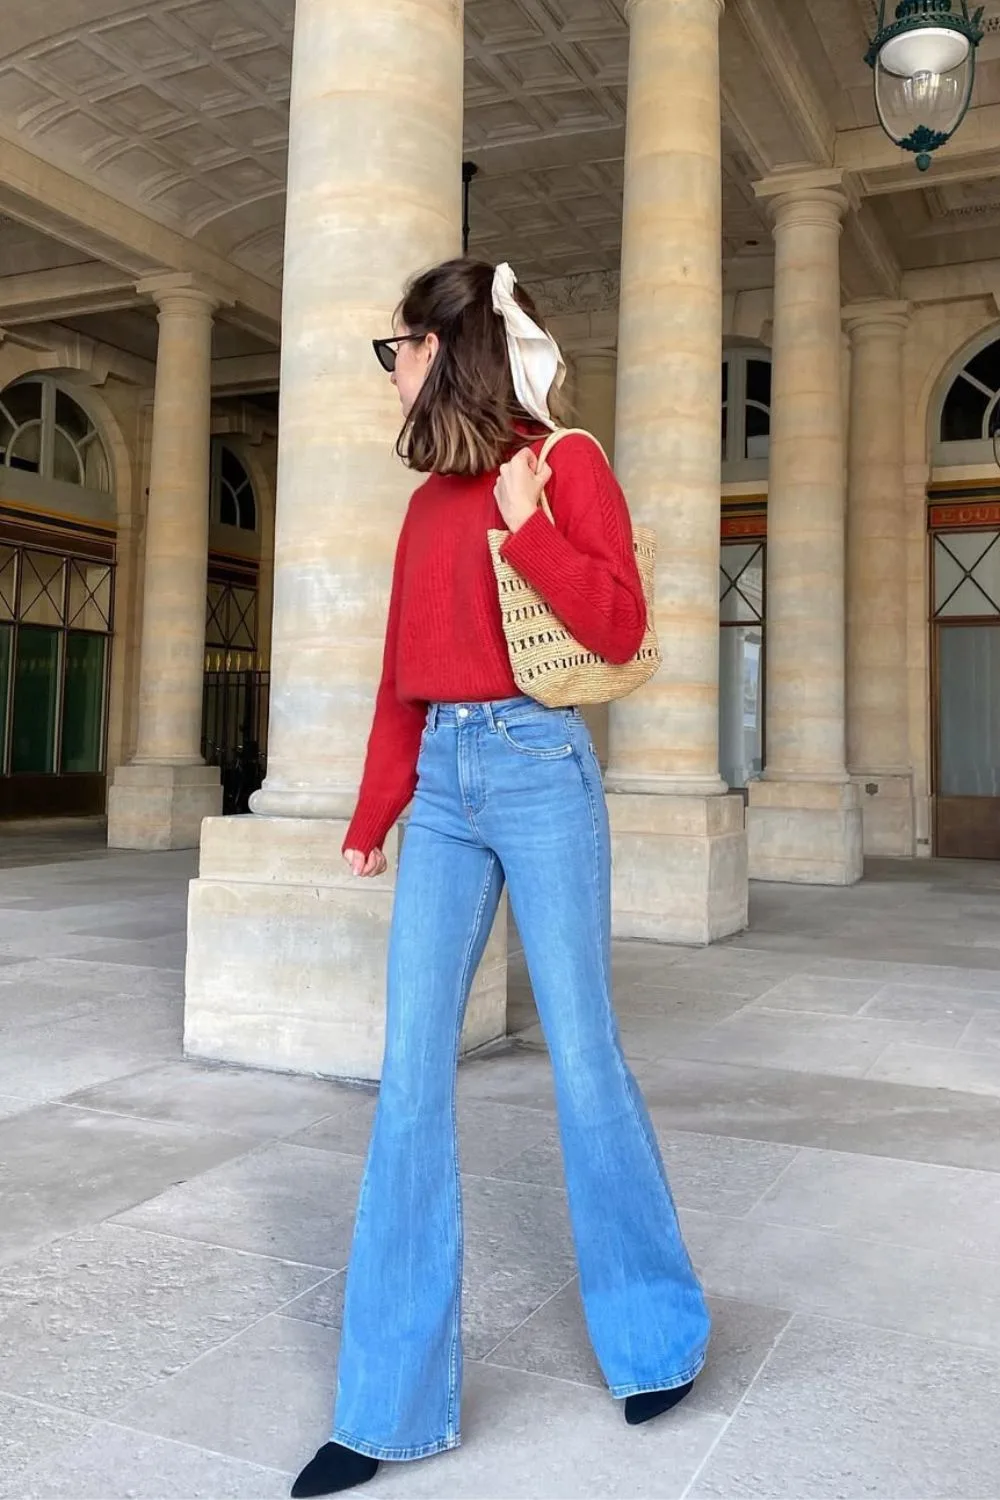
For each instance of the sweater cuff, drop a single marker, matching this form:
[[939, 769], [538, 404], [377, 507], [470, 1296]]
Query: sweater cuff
[[371, 825], [537, 550]]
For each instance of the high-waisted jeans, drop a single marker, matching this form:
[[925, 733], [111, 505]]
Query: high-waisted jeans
[[506, 790]]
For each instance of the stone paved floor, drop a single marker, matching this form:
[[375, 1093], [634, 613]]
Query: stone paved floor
[[173, 1236]]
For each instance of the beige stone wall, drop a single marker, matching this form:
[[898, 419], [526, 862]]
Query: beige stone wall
[[937, 333]]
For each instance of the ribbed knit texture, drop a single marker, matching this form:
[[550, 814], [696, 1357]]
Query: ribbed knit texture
[[444, 640]]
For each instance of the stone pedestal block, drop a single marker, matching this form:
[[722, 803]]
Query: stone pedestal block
[[888, 814], [154, 806], [680, 867], [806, 832], [286, 953]]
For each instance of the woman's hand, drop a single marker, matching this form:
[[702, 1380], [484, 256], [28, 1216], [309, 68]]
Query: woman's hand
[[375, 864], [519, 488]]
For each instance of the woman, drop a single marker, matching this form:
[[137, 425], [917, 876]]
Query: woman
[[501, 789]]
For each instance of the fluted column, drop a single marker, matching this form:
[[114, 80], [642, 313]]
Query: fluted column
[[804, 817], [680, 849], [878, 748], [286, 959], [161, 798]]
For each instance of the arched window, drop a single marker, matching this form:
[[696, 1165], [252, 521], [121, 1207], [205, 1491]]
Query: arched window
[[44, 431], [971, 406], [746, 413], [233, 502]]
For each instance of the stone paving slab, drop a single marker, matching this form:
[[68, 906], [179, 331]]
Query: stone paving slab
[[31, 1433], [489, 1135], [62, 1169], [46, 1063], [934, 1067], [862, 1115], [820, 994], [282, 1200], [264, 1396], [844, 1045], [982, 1034], [176, 1232], [43, 992], [214, 1097], [541, 1439], [909, 1204], [104, 1314], [916, 1004], [713, 1173], [554, 1342], [950, 1298], [113, 1461], [845, 1412]]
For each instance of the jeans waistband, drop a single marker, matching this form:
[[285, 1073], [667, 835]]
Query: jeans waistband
[[507, 710]]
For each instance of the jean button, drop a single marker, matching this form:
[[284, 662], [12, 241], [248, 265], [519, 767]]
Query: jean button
[[463, 713]]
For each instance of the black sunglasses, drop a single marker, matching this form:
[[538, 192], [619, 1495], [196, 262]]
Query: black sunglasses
[[387, 349]]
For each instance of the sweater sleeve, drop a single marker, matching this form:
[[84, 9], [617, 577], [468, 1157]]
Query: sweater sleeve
[[390, 774], [584, 566]]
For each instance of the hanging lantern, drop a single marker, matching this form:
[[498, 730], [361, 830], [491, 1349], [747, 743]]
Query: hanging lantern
[[924, 63]]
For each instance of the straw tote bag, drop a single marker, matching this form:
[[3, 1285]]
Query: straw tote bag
[[549, 664]]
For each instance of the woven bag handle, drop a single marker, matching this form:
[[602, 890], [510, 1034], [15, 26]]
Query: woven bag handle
[[547, 447]]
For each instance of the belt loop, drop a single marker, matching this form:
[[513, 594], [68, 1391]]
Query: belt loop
[[432, 717], [490, 720]]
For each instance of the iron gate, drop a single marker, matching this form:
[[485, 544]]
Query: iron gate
[[234, 733]]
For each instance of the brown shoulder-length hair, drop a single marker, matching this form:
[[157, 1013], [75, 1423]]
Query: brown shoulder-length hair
[[466, 419]]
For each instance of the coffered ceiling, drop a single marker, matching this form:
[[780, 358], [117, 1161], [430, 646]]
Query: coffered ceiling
[[179, 110], [180, 107]]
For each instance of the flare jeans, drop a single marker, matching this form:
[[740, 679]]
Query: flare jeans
[[507, 791]]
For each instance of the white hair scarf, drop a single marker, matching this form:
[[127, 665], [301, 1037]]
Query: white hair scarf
[[536, 362]]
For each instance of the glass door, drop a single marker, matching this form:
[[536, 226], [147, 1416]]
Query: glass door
[[55, 636], [967, 694], [741, 663]]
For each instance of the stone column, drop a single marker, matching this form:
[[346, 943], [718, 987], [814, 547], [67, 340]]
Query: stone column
[[878, 747], [159, 800], [286, 955], [916, 477], [680, 849], [804, 815], [265, 585], [594, 376]]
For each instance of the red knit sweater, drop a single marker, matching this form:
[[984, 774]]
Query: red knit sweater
[[444, 640]]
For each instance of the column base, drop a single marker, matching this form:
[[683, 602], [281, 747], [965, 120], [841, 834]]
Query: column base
[[680, 867], [286, 953], [888, 814], [805, 832], [153, 806]]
